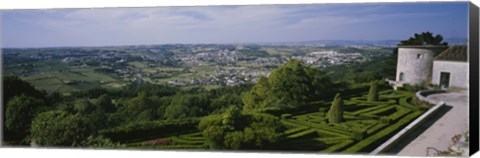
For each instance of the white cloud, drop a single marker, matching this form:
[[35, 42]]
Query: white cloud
[[219, 24]]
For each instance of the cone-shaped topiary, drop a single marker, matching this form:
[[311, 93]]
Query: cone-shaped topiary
[[335, 114], [373, 93]]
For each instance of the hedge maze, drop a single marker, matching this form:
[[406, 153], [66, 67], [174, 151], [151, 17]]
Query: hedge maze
[[193, 140], [366, 125]]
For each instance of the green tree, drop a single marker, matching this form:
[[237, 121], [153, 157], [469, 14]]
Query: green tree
[[162, 104], [14, 86], [291, 84], [140, 103], [227, 99], [425, 38], [335, 114], [373, 92], [84, 106], [21, 110], [105, 103], [188, 105], [234, 129], [59, 128]]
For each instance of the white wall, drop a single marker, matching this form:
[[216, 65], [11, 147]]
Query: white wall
[[415, 69], [458, 73]]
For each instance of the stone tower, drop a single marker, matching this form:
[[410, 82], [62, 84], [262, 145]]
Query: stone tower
[[415, 63]]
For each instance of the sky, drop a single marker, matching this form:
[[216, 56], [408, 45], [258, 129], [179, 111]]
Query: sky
[[230, 24]]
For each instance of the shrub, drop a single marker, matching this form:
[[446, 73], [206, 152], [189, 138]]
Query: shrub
[[373, 92], [180, 140], [193, 136], [358, 135], [60, 128], [400, 113], [404, 102], [375, 128], [306, 133], [235, 129], [335, 114], [289, 124], [368, 109], [295, 130], [286, 116], [329, 131], [385, 120], [385, 111], [418, 103]]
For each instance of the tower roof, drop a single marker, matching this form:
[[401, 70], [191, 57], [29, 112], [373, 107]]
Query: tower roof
[[454, 53]]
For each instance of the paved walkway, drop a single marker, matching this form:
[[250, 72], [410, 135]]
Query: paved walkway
[[440, 132]]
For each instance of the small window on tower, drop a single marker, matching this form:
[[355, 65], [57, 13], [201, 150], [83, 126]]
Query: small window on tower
[[419, 56]]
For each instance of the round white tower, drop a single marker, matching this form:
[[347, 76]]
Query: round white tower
[[415, 63]]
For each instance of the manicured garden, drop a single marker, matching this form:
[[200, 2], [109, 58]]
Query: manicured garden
[[366, 125]]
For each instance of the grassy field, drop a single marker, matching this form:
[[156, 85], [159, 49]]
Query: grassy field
[[66, 79]]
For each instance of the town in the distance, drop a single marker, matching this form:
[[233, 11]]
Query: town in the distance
[[75, 68]]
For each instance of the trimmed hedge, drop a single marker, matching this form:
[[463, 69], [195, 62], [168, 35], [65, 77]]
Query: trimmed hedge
[[375, 128], [385, 111], [332, 140], [327, 132], [386, 91], [368, 109], [289, 124], [306, 133], [392, 96], [286, 116], [400, 113], [339, 146], [193, 136], [178, 140], [150, 129], [404, 102], [294, 130], [373, 141], [388, 102]]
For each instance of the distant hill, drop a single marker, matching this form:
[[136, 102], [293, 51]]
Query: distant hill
[[456, 41], [350, 43]]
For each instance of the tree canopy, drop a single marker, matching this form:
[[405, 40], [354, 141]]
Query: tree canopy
[[21, 110], [424, 38], [290, 84], [60, 128], [235, 129], [16, 86]]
